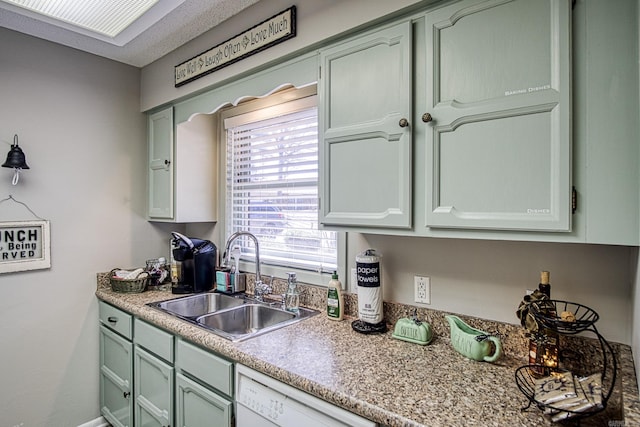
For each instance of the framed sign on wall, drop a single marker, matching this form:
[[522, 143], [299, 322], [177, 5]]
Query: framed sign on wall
[[24, 245], [270, 32]]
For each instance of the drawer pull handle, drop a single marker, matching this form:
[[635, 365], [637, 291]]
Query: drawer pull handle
[[167, 162], [426, 117], [112, 319], [403, 123]]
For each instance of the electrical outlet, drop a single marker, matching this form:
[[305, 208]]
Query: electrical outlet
[[422, 286]]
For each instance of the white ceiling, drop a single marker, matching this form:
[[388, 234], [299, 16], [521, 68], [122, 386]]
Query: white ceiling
[[164, 28]]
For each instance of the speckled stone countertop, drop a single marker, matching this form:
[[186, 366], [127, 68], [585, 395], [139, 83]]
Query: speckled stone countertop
[[392, 382]]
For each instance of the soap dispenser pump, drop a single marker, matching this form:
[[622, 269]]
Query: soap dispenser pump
[[292, 297]]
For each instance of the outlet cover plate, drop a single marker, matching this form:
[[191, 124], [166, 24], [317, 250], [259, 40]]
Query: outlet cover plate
[[422, 287]]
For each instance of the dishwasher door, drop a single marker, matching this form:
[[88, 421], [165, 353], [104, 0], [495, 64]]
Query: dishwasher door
[[264, 401]]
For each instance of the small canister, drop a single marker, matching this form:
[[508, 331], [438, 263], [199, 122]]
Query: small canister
[[158, 273]]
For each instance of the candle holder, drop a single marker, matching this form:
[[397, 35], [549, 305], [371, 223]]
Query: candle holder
[[543, 352]]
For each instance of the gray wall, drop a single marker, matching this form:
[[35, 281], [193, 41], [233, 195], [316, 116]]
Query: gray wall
[[78, 121], [488, 279]]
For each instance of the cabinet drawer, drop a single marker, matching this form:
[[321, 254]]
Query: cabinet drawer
[[153, 339], [115, 319], [206, 367]]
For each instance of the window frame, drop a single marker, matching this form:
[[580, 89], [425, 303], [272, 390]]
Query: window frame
[[253, 105]]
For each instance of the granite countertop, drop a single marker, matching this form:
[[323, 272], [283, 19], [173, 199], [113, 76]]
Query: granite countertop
[[392, 382]]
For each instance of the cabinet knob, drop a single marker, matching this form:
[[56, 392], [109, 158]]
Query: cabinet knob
[[112, 319], [126, 394], [426, 117], [167, 162], [403, 123]]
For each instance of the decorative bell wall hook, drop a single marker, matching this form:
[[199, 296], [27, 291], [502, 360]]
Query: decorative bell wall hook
[[15, 160]]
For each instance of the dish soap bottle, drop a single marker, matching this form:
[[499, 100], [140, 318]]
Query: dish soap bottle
[[292, 297], [335, 299]]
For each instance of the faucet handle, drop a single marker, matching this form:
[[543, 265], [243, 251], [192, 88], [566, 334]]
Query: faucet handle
[[261, 289], [265, 287]]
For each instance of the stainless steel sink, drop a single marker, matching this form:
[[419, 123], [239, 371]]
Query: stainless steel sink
[[249, 320], [197, 305], [236, 318]]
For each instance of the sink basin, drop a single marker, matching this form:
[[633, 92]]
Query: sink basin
[[236, 318], [197, 305], [245, 320]]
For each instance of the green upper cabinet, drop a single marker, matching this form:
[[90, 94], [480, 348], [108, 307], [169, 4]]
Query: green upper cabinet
[[498, 142], [463, 119], [182, 168], [160, 135], [365, 143]]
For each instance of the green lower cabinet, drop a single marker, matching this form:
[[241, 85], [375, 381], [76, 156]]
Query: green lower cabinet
[[153, 390], [151, 378], [198, 406], [116, 403]]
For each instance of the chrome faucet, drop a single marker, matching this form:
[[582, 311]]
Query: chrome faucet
[[261, 288]]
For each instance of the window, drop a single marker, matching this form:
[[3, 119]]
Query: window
[[272, 185]]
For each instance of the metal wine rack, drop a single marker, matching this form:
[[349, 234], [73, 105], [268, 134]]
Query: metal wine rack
[[548, 313]]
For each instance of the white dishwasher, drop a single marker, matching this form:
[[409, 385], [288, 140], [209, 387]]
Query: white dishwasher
[[264, 401]]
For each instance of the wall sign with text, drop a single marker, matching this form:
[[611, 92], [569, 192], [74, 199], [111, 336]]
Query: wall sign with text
[[24, 245], [274, 30]]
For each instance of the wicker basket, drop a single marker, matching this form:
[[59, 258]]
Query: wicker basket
[[137, 285]]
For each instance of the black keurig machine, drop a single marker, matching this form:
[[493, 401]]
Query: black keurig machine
[[197, 264]]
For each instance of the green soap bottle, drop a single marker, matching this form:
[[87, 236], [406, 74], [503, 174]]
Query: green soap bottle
[[335, 299]]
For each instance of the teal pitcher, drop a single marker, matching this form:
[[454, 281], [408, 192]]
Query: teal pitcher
[[473, 343]]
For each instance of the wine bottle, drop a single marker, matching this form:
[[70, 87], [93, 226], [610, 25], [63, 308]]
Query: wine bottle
[[544, 285]]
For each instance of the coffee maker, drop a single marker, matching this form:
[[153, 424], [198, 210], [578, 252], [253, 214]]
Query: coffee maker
[[196, 261]]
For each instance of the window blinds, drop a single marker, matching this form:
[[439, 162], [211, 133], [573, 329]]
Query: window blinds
[[272, 189]]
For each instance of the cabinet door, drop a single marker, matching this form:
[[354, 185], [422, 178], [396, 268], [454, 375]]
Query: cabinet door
[[153, 390], [365, 151], [160, 135], [498, 145], [116, 404], [198, 406]]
